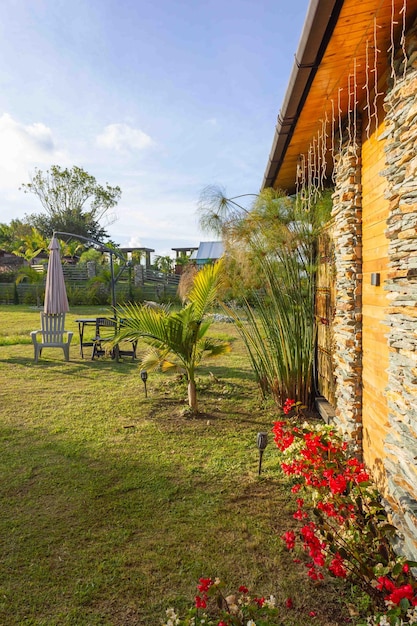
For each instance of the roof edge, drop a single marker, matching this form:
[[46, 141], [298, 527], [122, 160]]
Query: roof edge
[[321, 18]]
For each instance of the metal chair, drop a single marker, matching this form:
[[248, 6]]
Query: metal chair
[[99, 341], [126, 350]]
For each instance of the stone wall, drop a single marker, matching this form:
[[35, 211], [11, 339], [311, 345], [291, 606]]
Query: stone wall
[[347, 323], [401, 175]]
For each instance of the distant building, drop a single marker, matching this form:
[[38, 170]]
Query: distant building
[[207, 252], [182, 256], [146, 252]]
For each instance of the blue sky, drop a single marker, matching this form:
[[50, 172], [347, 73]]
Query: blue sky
[[160, 97]]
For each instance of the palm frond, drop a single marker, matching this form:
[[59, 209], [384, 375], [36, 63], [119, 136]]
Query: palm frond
[[205, 287]]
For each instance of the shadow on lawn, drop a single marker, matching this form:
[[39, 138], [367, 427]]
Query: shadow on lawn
[[73, 365], [224, 373], [129, 519]]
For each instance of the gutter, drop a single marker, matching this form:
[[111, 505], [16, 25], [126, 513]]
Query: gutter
[[322, 16]]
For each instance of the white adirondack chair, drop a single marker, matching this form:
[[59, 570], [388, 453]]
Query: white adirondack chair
[[52, 334]]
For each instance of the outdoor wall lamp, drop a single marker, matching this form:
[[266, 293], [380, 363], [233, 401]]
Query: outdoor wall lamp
[[144, 377], [261, 442], [375, 279]]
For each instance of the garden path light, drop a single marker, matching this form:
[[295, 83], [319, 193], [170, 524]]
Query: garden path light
[[261, 442]]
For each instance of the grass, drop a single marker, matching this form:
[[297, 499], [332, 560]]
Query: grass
[[113, 504]]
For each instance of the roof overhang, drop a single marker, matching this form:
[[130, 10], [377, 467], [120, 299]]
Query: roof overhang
[[331, 51]]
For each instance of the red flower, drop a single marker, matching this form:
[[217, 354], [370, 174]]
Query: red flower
[[289, 538], [385, 583], [299, 515], [312, 614], [205, 584], [337, 567], [282, 438], [337, 484], [405, 591], [200, 603], [243, 589], [313, 573], [259, 601], [288, 406], [289, 603]]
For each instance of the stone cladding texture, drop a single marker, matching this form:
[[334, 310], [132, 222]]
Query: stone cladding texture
[[347, 323], [400, 172]]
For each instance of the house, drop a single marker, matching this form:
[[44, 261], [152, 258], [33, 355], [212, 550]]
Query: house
[[349, 121], [207, 252], [9, 262]]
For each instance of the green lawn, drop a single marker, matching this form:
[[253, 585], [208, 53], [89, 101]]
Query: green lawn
[[113, 504]]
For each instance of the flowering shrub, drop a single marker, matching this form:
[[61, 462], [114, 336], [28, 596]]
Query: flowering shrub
[[213, 608], [345, 533]]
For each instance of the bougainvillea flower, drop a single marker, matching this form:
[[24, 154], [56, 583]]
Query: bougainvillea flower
[[289, 538], [205, 584], [288, 405], [200, 603]]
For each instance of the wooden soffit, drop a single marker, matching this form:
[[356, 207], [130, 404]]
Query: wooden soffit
[[352, 42]]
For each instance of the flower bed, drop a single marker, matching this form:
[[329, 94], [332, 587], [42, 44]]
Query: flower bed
[[344, 529]]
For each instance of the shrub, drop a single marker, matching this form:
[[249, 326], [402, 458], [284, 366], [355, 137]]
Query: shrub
[[346, 532]]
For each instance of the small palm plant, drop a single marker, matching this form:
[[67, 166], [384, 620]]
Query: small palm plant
[[32, 276], [178, 340], [28, 247]]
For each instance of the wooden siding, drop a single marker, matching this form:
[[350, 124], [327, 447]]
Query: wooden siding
[[374, 302]]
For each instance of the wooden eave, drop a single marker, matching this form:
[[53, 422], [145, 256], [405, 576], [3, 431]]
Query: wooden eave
[[341, 35]]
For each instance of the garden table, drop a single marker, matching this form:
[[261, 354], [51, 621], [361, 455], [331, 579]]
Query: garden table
[[82, 323], [95, 344]]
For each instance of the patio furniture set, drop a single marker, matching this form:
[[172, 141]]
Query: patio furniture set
[[52, 334]]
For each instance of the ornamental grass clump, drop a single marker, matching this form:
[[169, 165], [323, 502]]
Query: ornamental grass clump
[[346, 532], [212, 607], [271, 267]]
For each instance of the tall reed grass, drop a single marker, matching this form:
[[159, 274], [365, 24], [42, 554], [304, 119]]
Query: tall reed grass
[[274, 247]]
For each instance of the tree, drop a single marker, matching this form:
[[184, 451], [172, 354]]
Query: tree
[[178, 340], [73, 200], [71, 248], [29, 245], [163, 264], [13, 233]]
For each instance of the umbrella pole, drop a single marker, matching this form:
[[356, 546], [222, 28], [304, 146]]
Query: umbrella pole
[[112, 286]]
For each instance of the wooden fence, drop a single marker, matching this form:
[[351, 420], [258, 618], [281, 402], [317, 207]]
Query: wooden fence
[[153, 286]]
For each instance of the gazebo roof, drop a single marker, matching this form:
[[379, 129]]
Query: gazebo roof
[[136, 250]]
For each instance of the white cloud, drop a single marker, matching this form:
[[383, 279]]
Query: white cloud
[[134, 242], [23, 147], [123, 138]]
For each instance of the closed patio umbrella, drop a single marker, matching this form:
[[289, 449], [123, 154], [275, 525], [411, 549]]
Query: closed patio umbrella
[[56, 300]]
